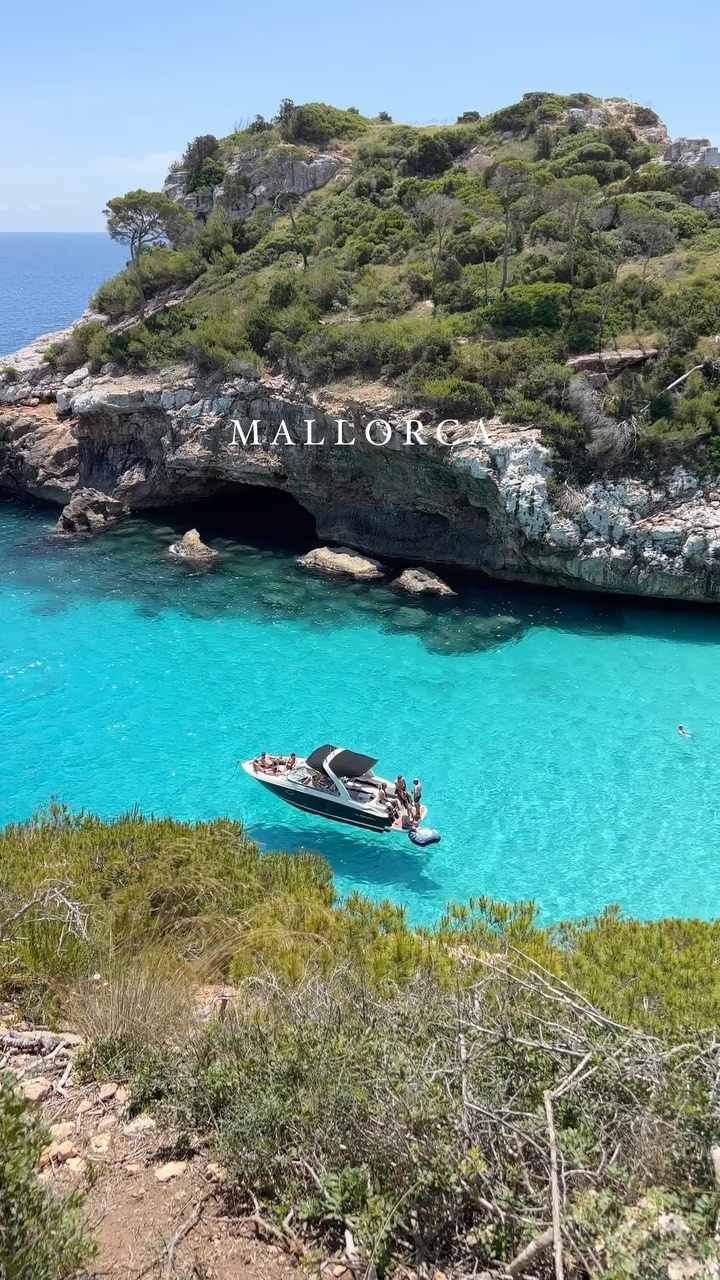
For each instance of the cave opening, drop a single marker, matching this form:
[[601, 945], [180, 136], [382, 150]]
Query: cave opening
[[268, 518]]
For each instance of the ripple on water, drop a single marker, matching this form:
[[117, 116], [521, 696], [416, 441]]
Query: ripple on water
[[544, 727]]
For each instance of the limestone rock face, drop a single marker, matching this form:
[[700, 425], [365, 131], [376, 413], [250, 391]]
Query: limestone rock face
[[710, 201], [192, 547], [341, 561], [697, 153], [645, 124], [421, 582], [266, 174], [89, 511], [485, 500]]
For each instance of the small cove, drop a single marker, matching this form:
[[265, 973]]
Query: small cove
[[544, 726]]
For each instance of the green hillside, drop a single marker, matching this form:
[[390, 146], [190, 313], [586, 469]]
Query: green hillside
[[462, 265]]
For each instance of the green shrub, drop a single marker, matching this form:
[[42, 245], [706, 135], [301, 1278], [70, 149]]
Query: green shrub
[[208, 174], [10, 374], [454, 397], [533, 110], [431, 155], [41, 1232], [533, 306], [88, 344], [318, 123], [221, 345]]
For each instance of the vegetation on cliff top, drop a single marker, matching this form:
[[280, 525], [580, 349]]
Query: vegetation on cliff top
[[407, 1086], [461, 264]]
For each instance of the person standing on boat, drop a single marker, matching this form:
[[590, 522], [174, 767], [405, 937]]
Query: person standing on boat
[[417, 790], [401, 790]]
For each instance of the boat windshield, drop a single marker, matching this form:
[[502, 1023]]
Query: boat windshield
[[301, 775]]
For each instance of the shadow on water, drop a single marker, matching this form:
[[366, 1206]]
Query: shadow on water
[[387, 861], [258, 536]]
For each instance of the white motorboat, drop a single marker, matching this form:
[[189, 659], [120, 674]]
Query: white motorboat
[[331, 782]]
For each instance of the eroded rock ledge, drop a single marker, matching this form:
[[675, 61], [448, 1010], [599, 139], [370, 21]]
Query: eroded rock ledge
[[491, 504]]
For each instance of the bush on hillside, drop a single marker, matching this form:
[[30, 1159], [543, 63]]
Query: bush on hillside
[[419, 1113], [41, 1231], [453, 397], [429, 156], [317, 123]]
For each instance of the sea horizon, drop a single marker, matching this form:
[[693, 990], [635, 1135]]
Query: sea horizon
[[47, 279]]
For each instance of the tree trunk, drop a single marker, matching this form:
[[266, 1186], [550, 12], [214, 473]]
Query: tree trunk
[[506, 250], [485, 277], [138, 278]]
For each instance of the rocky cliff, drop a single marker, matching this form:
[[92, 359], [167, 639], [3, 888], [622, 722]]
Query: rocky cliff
[[485, 500]]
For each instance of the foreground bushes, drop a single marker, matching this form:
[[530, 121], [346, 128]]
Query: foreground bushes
[[41, 1233], [204, 900], [403, 1085], [420, 1118]]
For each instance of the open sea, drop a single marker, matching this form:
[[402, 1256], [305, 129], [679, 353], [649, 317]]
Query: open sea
[[547, 745], [47, 278]]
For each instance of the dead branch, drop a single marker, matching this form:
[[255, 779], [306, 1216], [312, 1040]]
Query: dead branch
[[554, 1188], [284, 1237], [59, 909], [183, 1231], [532, 1251]]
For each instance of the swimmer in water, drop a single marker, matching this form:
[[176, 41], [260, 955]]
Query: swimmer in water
[[685, 733]]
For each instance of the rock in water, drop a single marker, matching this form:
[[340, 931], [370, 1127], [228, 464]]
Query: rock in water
[[191, 547], [88, 511], [341, 560], [421, 582]]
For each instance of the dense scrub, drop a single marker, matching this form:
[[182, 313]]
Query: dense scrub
[[407, 1086], [41, 1232], [461, 264]]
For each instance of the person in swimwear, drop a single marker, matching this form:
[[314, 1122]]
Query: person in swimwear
[[685, 733]]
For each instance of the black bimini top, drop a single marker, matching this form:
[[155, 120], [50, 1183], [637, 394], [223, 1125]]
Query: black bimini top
[[347, 764], [319, 755]]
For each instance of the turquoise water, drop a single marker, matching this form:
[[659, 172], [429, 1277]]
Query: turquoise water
[[549, 753]]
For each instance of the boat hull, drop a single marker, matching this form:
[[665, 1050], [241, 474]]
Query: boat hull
[[326, 807]]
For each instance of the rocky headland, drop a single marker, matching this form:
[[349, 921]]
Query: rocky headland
[[487, 501], [251, 313]]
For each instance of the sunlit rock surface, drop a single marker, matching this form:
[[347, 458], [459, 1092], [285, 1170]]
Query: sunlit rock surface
[[481, 499]]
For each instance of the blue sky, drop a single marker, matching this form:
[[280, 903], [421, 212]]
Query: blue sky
[[96, 100]]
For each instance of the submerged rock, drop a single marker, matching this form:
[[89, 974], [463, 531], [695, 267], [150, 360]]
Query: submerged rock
[[191, 547], [88, 511], [421, 582], [341, 560]]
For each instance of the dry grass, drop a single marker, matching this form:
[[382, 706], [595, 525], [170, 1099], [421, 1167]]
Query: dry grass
[[137, 1000]]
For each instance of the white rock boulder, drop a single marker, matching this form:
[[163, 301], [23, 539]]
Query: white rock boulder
[[343, 561], [421, 582], [191, 547]]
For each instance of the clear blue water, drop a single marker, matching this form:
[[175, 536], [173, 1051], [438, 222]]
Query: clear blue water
[[550, 757], [46, 279]]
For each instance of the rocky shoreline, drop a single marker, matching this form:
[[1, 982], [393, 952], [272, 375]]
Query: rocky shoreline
[[491, 506]]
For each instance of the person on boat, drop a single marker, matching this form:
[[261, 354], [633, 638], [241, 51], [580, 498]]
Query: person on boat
[[261, 762], [291, 761], [383, 797], [401, 790], [685, 733], [269, 764], [417, 790]]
